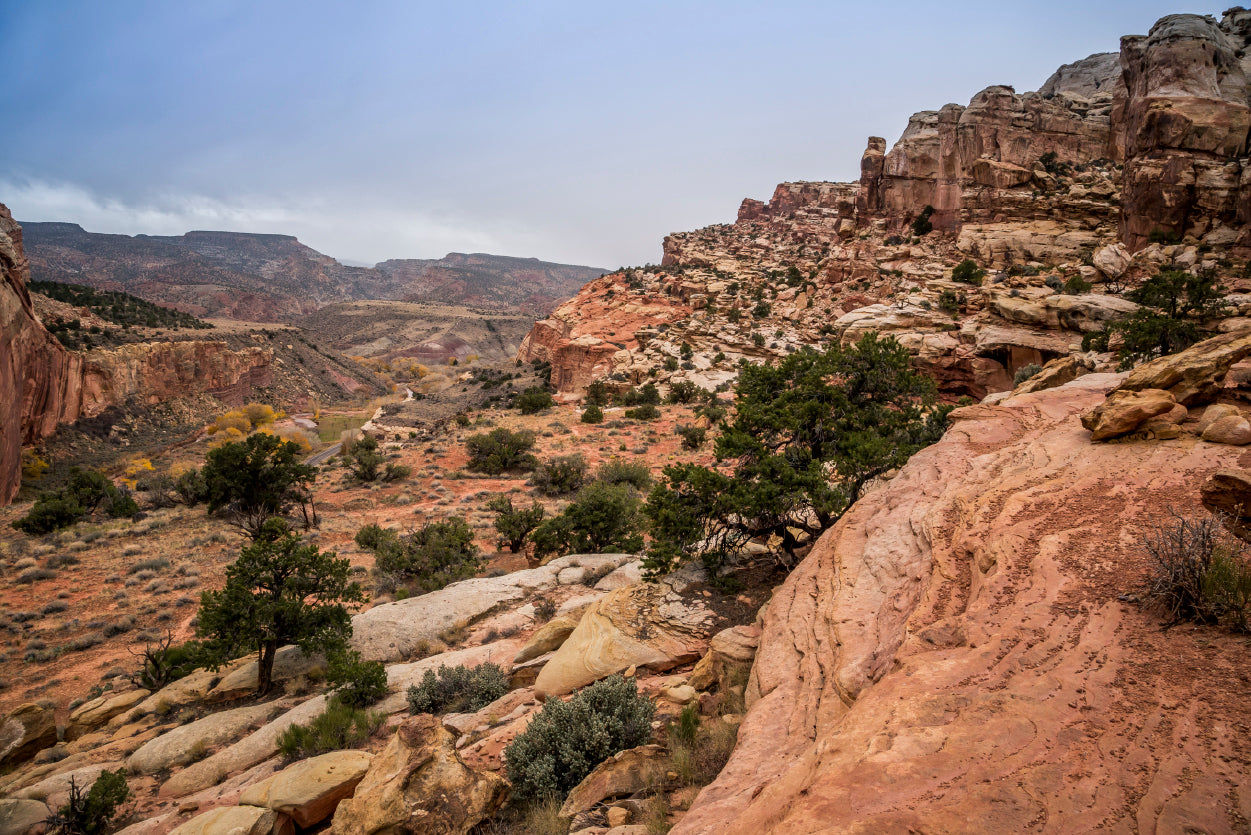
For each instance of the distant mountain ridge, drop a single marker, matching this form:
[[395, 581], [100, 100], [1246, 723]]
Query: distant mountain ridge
[[270, 277]]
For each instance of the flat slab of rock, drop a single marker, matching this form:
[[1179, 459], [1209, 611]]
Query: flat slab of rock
[[649, 625], [395, 631], [308, 791], [179, 746], [98, 711], [622, 774], [22, 817], [234, 820], [547, 637], [289, 662]]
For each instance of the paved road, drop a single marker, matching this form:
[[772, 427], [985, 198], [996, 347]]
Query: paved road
[[323, 456]]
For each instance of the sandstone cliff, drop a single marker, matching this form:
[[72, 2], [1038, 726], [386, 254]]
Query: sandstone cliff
[[955, 656], [43, 386]]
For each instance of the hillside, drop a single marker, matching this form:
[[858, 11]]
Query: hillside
[[271, 278]]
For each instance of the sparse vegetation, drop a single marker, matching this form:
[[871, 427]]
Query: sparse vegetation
[[534, 400], [500, 451], [603, 518], [567, 739], [340, 726], [458, 689], [1198, 571], [359, 683], [86, 491], [559, 476], [1025, 372], [92, 812], [429, 558], [967, 272], [592, 414], [514, 524]]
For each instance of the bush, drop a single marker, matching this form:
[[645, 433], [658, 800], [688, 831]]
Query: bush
[[360, 683], [534, 400], [435, 555], [604, 518], [340, 726], [1076, 286], [1198, 571], [967, 272], [92, 812], [592, 414], [190, 487], [949, 302], [567, 739], [500, 450], [514, 524], [396, 472], [645, 412], [560, 476], [922, 226], [640, 396], [372, 536], [458, 689], [363, 457], [256, 478], [616, 471], [692, 436], [86, 490], [50, 512], [683, 391], [1024, 373], [163, 661]]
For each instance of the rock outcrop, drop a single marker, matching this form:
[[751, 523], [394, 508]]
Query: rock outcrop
[[954, 650]]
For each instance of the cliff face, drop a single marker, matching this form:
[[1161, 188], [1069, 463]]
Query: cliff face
[[954, 655], [34, 367], [43, 386]]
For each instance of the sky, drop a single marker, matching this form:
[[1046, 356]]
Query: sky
[[580, 132]]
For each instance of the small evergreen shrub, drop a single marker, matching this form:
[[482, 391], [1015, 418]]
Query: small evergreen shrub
[[683, 391], [92, 812], [616, 471], [514, 524], [967, 272], [692, 436], [1077, 286], [534, 400], [645, 412], [567, 739], [922, 226], [592, 414], [340, 726], [360, 683], [458, 689], [560, 476], [500, 450], [434, 556]]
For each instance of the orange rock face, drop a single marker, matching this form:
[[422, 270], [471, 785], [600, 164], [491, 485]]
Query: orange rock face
[[953, 655], [42, 385]]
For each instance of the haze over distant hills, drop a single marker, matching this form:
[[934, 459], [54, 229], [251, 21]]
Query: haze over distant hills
[[276, 278]]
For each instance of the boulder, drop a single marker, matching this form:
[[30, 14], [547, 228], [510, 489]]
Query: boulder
[[1112, 260], [186, 690], [622, 774], [54, 790], [1214, 413], [626, 575], [1193, 376], [548, 637], [1234, 430], [1055, 373], [236, 820], [289, 662], [187, 742], [1227, 493], [93, 714], [26, 731], [23, 817], [395, 631], [730, 652], [649, 625], [1124, 411], [309, 790], [418, 784]]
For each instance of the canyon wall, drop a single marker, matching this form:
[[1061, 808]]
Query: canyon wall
[[43, 386]]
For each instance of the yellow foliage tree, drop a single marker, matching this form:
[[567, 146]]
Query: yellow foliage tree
[[33, 467]]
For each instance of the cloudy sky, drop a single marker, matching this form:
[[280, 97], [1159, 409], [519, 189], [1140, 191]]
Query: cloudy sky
[[580, 132]]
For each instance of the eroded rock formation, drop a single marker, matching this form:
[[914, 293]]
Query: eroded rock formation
[[953, 655]]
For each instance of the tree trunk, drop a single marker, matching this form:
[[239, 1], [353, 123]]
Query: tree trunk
[[265, 668]]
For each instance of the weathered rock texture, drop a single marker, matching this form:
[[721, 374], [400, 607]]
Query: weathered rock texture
[[953, 656], [43, 386]]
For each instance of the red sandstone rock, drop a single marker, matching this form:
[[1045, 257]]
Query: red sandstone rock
[[953, 656]]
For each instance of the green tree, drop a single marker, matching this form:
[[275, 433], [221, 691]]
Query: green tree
[[363, 457], [806, 437], [500, 450], [603, 518], [967, 272], [256, 478], [534, 400], [1175, 305], [514, 524], [435, 555], [92, 812], [278, 592]]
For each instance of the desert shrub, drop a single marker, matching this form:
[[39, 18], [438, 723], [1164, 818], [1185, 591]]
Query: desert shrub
[[559, 476], [1076, 286], [514, 524], [92, 812], [645, 412], [49, 513], [648, 393], [604, 518], [922, 225], [431, 557], [254, 479], [458, 689], [567, 739], [949, 302], [34, 575], [616, 471], [534, 400], [671, 364], [340, 726], [372, 536], [1198, 571], [190, 487], [967, 272], [683, 391], [396, 472], [692, 436], [360, 683], [500, 450], [154, 564], [592, 414], [163, 661], [1025, 372], [363, 457]]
